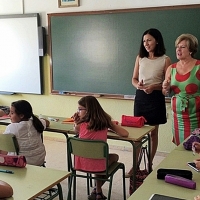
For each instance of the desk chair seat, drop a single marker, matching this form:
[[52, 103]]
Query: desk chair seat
[[94, 149]]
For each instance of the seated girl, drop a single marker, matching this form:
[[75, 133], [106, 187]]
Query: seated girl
[[28, 130]]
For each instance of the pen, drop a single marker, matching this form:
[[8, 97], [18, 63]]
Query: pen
[[6, 171]]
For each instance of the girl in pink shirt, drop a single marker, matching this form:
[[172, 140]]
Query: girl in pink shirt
[[92, 122]]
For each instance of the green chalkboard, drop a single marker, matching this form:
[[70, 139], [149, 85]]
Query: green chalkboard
[[94, 52]]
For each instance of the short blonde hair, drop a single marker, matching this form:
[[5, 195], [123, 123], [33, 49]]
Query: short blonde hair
[[192, 42]]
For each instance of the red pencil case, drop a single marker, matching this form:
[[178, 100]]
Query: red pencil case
[[133, 121], [11, 160]]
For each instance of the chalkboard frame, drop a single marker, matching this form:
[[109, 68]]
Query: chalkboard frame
[[105, 95]]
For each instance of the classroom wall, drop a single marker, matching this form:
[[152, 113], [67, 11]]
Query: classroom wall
[[65, 106]]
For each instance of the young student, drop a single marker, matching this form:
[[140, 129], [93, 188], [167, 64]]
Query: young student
[[28, 130], [196, 145], [6, 190], [92, 122]]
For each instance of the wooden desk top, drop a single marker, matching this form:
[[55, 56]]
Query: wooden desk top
[[180, 147], [32, 181], [177, 160], [135, 134]]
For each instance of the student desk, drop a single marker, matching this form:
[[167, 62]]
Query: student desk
[[137, 136], [31, 181], [176, 159]]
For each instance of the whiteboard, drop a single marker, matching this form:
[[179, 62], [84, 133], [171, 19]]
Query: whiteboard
[[19, 54]]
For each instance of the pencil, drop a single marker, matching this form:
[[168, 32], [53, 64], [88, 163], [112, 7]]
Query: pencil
[[6, 171]]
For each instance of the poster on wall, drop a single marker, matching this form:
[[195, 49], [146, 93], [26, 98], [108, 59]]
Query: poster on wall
[[68, 3]]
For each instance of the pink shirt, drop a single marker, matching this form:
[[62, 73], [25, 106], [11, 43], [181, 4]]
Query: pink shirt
[[88, 164]]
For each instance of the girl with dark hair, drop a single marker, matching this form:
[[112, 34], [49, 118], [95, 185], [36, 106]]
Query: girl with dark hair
[[28, 130], [92, 122], [148, 75]]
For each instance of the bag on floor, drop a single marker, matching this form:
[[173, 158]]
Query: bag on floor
[[140, 174]]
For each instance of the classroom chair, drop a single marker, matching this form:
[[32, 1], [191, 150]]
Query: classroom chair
[[94, 149], [8, 142]]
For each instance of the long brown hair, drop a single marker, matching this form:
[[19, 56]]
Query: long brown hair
[[95, 116]]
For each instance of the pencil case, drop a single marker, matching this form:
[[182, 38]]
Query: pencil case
[[13, 161], [162, 172], [133, 121], [178, 180]]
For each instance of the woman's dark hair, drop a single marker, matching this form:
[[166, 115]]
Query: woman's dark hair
[[24, 107], [95, 116], [160, 47]]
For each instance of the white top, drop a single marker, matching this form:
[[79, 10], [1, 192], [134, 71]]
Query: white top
[[29, 140], [152, 71]]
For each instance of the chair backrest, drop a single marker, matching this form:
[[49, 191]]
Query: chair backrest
[[94, 149], [8, 142]]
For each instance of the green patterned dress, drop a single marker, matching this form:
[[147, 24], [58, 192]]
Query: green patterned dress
[[185, 103]]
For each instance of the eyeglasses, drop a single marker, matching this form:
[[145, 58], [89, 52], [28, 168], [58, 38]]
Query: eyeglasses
[[80, 109]]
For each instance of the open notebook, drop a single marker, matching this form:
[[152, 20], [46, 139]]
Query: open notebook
[[163, 197]]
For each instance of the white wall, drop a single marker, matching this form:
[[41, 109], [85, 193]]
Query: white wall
[[11, 7], [43, 7]]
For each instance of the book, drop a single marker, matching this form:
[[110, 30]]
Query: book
[[163, 197]]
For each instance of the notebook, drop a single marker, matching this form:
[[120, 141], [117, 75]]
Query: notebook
[[163, 197]]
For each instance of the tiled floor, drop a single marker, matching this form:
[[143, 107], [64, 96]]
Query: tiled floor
[[56, 158]]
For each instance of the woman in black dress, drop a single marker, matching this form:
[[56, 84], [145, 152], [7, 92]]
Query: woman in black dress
[[148, 75]]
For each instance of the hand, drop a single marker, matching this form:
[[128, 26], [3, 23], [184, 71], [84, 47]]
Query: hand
[[140, 85], [197, 197], [196, 145], [76, 117], [197, 162], [148, 90], [166, 87]]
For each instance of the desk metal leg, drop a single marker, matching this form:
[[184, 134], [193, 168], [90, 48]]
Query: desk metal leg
[[60, 191], [135, 167], [135, 148], [149, 154]]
